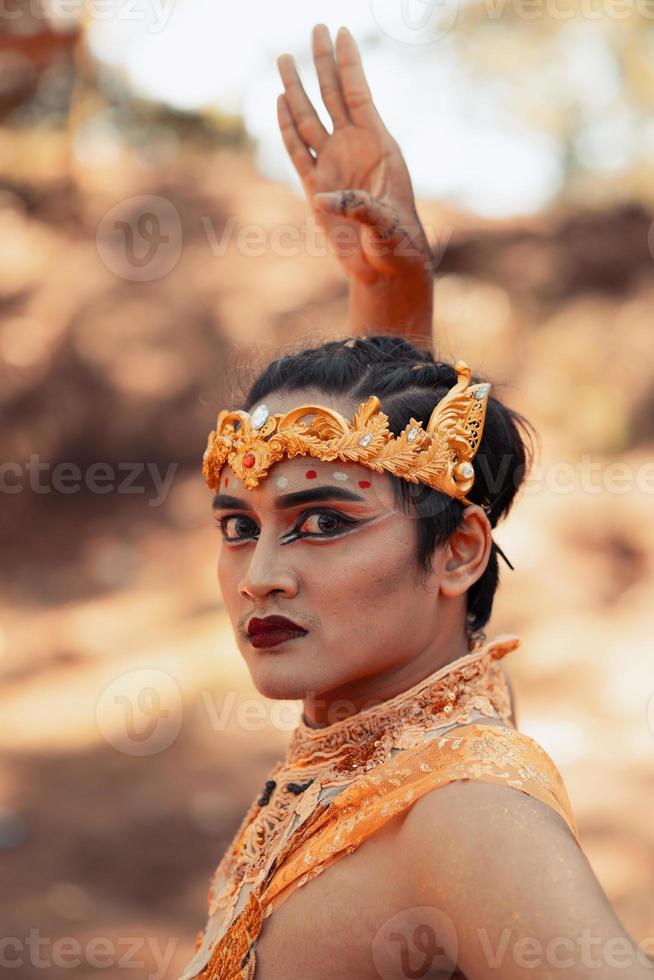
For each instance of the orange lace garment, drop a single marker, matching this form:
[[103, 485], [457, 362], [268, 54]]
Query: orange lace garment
[[341, 783]]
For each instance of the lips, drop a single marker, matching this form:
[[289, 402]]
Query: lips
[[273, 624], [273, 630]]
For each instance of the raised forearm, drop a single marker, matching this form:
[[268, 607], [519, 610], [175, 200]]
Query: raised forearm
[[403, 305], [356, 175]]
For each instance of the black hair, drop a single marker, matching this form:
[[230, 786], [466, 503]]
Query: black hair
[[410, 382]]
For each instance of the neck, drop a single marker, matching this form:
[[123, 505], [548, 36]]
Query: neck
[[363, 692]]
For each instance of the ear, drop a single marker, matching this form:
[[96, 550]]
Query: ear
[[466, 553]]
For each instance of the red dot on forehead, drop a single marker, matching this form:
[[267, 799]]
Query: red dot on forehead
[[364, 484], [311, 474], [226, 481]]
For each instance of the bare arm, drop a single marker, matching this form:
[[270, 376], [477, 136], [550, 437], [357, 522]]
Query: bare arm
[[359, 188], [516, 892]]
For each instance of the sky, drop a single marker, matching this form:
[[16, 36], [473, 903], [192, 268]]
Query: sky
[[459, 141]]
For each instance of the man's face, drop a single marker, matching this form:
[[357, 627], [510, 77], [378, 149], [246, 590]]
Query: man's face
[[342, 565]]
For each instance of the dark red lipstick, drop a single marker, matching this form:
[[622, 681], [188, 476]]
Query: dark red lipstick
[[272, 630]]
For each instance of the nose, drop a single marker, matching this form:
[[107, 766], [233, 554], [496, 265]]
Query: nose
[[268, 572]]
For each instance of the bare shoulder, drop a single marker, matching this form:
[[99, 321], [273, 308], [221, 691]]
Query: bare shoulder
[[481, 817], [474, 801], [500, 863], [462, 822]]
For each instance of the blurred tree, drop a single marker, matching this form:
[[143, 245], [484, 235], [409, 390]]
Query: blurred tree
[[580, 70], [47, 75], [36, 63]]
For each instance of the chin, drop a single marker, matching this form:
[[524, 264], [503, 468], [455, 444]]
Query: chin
[[278, 686], [277, 676]]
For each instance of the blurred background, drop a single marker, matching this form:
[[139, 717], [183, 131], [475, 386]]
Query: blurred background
[[155, 251]]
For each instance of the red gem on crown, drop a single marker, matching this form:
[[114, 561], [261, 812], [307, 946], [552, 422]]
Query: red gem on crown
[[248, 460]]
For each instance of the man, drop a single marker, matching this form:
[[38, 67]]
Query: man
[[411, 830]]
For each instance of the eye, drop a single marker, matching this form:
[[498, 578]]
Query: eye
[[239, 529], [323, 523], [319, 523]]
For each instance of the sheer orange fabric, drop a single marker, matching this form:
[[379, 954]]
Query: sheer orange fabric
[[483, 752], [362, 772]]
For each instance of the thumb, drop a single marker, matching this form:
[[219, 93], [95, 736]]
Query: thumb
[[360, 206]]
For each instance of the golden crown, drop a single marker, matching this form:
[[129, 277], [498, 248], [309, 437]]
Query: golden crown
[[439, 455]]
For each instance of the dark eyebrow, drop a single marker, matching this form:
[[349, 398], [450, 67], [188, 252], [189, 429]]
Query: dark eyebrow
[[223, 501]]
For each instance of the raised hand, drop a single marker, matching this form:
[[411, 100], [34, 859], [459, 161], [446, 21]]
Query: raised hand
[[355, 177]]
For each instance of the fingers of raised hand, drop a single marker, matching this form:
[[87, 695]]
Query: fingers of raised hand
[[305, 118], [356, 90], [328, 76], [297, 150]]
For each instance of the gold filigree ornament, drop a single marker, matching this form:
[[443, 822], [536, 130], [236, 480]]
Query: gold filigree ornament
[[439, 455]]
